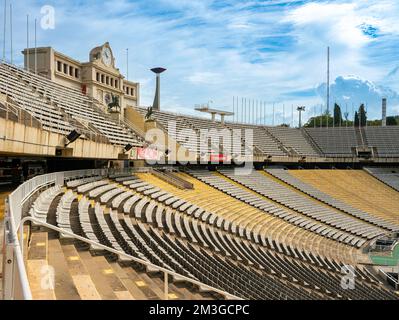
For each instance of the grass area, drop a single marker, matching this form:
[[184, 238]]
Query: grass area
[[392, 260]]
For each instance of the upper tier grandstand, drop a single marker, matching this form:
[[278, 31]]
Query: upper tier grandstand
[[35, 101], [258, 212]]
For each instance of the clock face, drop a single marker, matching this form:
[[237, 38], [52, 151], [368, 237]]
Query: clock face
[[107, 56]]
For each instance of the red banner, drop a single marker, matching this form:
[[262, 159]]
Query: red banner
[[219, 158], [147, 154]]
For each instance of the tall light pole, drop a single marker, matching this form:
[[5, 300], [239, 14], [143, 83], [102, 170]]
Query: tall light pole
[[5, 30], [127, 64], [300, 109], [27, 44], [157, 100], [328, 79], [11, 39], [35, 46]]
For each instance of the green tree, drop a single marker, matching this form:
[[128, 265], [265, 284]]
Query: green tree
[[392, 121], [320, 121], [357, 122], [362, 115], [374, 123], [337, 115]]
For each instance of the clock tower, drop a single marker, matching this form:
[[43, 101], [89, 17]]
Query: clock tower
[[103, 55], [98, 78]]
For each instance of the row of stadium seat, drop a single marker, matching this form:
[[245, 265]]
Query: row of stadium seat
[[61, 109], [150, 227], [294, 140], [253, 223], [277, 192], [356, 188], [334, 142], [190, 131], [385, 139], [262, 139], [285, 176], [55, 105], [389, 176], [283, 141]]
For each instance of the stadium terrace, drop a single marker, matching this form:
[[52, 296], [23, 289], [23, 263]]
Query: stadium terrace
[[105, 198]]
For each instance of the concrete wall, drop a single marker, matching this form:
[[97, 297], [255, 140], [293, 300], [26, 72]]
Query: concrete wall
[[18, 139], [176, 150]]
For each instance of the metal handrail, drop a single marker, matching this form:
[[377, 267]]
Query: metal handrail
[[133, 127], [15, 223], [10, 236], [127, 256]]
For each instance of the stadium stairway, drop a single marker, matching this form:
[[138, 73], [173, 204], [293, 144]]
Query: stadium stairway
[[82, 272], [83, 275]]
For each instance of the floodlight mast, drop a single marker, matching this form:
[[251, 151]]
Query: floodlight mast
[[157, 100], [328, 79]]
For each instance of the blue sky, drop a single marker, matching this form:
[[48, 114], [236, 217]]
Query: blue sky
[[272, 51]]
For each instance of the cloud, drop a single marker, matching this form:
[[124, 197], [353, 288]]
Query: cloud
[[273, 51], [330, 20], [351, 91], [205, 78]]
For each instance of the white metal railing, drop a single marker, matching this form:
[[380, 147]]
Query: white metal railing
[[15, 280], [124, 255], [394, 281]]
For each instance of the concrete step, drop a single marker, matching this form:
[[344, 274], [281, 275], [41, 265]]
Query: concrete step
[[107, 282], [64, 286], [150, 291], [80, 275], [128, 282], [39, 274]]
